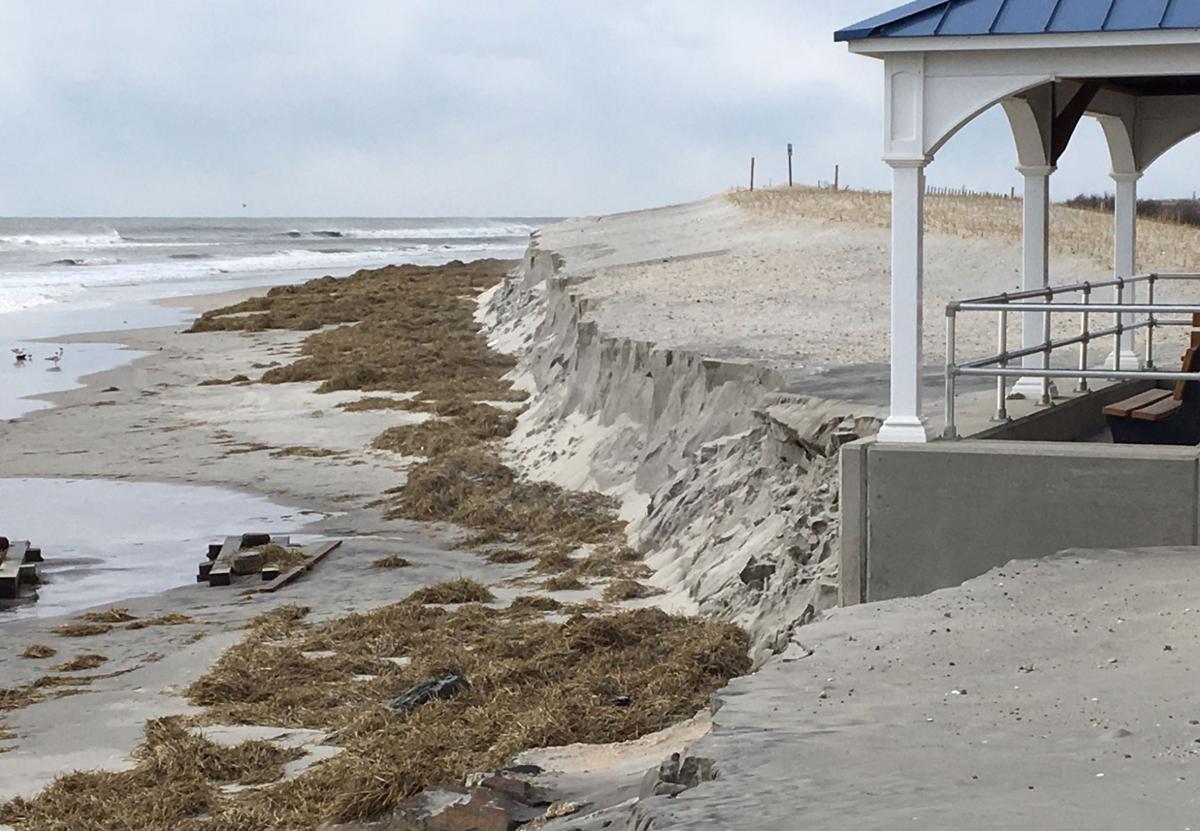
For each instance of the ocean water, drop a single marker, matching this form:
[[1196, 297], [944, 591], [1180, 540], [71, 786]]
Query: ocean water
[[66, 276], [48, 261]]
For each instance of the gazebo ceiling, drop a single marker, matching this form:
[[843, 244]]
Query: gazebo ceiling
[[967, 18]]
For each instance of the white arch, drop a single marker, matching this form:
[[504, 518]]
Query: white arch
[[924, 111], [953, 103]]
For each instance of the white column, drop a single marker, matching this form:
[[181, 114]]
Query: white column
[[1125, 259], [906, 422], [1035, 270]]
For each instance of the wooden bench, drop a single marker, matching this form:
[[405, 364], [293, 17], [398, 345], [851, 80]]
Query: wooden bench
[[1169, 417]]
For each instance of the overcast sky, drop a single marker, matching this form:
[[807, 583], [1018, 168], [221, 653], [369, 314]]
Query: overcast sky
[[454, 107]]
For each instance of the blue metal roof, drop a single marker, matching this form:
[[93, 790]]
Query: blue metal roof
[[945, 18]]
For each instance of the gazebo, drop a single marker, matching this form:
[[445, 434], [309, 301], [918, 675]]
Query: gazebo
[[1134, 65]]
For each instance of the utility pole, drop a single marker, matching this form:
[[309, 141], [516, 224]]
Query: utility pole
[[836, 172], [751, 174], [789, 164]]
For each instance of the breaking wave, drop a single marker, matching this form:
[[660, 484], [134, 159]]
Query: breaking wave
[[62, 240]]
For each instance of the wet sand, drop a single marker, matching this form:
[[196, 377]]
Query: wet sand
[[125, 539]]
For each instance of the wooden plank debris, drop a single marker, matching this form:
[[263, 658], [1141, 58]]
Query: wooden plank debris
[[18, 565], [10, 578], [316, 553], [220, 574], [218, 569]]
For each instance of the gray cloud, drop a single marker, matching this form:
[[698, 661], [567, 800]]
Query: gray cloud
[[403, 107]]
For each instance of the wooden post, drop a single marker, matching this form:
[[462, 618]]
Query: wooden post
[[789, 164], [836, 173], [751, 173]]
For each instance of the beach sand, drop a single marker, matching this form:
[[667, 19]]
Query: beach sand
[[148, 421], [1049, 694], [723, 331]]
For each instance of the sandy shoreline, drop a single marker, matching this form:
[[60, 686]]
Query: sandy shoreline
[[155, 420], [161, 427]]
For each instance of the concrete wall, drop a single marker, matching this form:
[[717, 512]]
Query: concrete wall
[[917, 518]]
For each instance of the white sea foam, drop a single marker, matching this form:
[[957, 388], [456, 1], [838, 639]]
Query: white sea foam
[[64, 240], [447, 232], [20, 298], [47, 261], [57, 282]]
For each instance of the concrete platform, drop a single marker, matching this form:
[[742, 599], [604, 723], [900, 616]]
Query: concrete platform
[[922, 517], [1057, 694], [917, 518]]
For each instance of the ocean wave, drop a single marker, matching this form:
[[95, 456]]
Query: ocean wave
[[81, 262], [97, 240], [64, 280], [430, 232]]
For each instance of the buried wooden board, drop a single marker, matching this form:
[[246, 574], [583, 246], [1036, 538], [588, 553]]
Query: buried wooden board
[[315, 553]]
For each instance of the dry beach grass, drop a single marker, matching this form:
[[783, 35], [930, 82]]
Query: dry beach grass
[[533, 683], [595, 676], [1170, 246]]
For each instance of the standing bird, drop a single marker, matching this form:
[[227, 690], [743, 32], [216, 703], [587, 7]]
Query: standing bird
[[20, 355], [56, 357]]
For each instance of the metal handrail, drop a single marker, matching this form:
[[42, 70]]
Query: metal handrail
[[1054, 291], [1041, 301]]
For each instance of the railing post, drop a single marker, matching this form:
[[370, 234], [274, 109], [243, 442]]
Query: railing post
[[950, 432], [1047, 398], [1150, 329], [1001, 387], [1084, 328], [1118, 325]]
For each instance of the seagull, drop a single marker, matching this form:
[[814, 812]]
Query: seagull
[[56, 357], [20, 354]]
